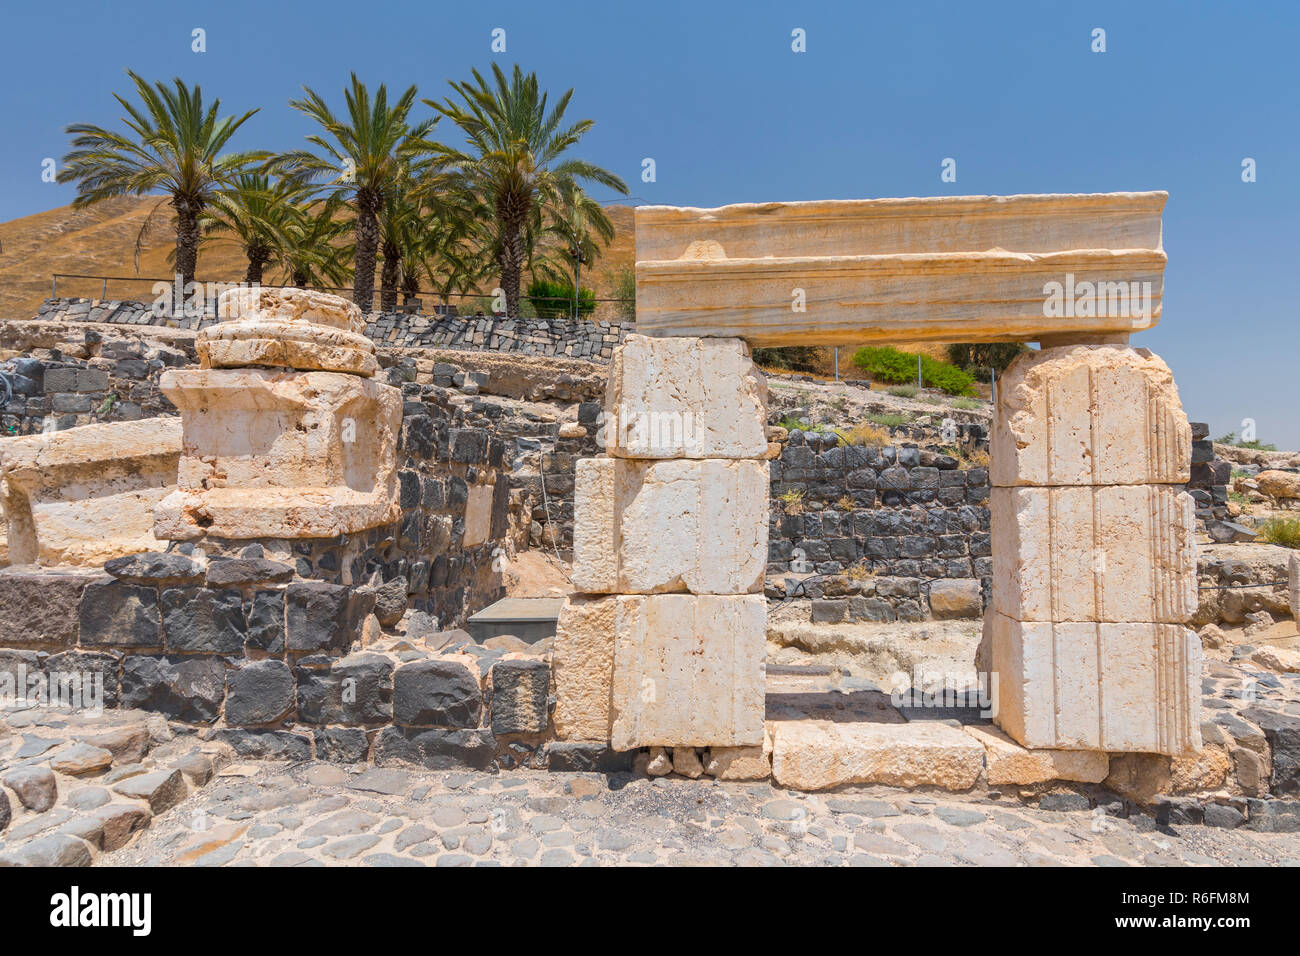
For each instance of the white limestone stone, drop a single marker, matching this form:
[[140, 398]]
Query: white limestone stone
[[281, 454], [1080, 685], [1094, 553], [685, 398], [478, 515], [950, 268], [685, 525], [84, 495], [1089, 415], [1006, 762], [820, 754], [689, 670], [582, 660]]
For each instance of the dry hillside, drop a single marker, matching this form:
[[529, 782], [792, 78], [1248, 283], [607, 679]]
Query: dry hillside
[[101, 241]]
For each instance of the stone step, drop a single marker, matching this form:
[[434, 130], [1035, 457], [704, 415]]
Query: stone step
[[820, 754]]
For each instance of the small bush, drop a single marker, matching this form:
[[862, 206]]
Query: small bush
[[791, 358], [977, 459], [554, 300], [1283, 531], [886, 364], [793, 501], [902, 391], [1231, 439]]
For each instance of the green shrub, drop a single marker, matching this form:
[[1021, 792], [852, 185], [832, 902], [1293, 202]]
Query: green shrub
[[902, 391], [966, 404], [1283, 531], [1231, 439], [886, 364], [554, 300]]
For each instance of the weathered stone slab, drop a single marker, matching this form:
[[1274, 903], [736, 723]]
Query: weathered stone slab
[[684, 398], [85, 495], [1089, 415], [689, 670], [1006, 762], [1080, 685], [647, 527], [970, 268], [583, 662], [293, 328], [819, 754], [1099, 553], [281, 454]]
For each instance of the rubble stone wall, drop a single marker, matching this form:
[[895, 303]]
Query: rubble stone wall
[[550, 337]]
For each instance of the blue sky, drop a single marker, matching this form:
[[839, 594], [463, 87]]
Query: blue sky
[[714, 93]]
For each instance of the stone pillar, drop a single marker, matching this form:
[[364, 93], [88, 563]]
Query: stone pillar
[[1094, 555], [285, 433], [665, 644]]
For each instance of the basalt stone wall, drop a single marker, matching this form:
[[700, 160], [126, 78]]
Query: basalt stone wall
[[550, 337], [444, 553], [49, 390], [898, 532], [245, 653]]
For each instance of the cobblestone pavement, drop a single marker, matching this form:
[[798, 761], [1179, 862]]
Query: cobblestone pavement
[[318, 814]]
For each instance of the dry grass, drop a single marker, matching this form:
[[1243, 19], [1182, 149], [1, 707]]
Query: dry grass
[[1283, 531], [866, 435]]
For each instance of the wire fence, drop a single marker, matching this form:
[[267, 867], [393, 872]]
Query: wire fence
[[426, 302]]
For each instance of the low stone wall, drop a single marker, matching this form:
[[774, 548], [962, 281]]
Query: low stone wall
[[594, 341], [51, 389], [254, 658]]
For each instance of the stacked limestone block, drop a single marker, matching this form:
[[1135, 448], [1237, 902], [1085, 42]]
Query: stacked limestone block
[[1094, 555], [664, 644], [286, 432]]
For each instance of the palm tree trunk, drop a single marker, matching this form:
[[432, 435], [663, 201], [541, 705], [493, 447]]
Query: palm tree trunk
[[388, 278], [256, 260], [512, 210], [367, 233], [187, 239]]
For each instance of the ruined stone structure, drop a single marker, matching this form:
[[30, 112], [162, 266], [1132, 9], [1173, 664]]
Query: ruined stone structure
[[1094, 563]]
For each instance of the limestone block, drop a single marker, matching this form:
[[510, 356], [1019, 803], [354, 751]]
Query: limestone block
[[1081, 685], [741, 763], [478, 515], [82, 496], [1089, 415], [646, 527], [685, 398], [281, 454], [1006, 762], [1101, 553], [689, 670], [583, 662], [293, 328], [819, 754], [961, 268]]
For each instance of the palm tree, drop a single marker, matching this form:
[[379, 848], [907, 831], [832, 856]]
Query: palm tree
[[363, 158], [254, 213], [437, 248], [578, 224], [174, 146], [513, 161], [310, 251]]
